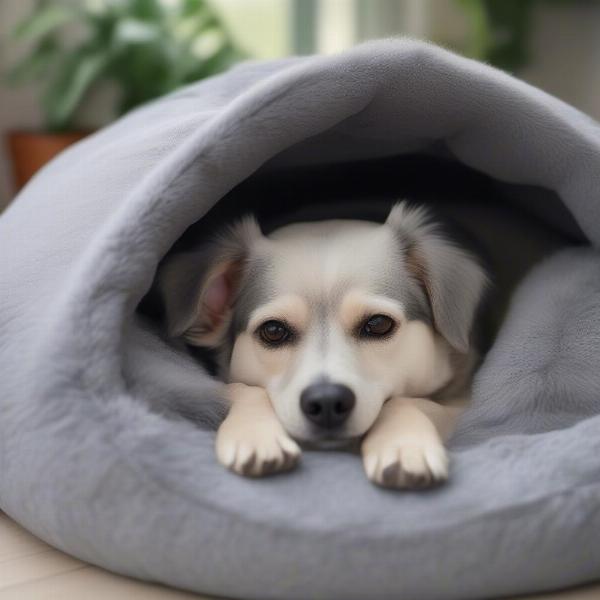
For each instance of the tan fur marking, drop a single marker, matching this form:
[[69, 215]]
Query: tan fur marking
[[357, 304], [417, 268], [290, 308]]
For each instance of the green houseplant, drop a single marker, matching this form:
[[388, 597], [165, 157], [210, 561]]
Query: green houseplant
[[145, 48], [500, 30]]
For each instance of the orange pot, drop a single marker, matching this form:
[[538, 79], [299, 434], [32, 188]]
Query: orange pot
[[30, 151]]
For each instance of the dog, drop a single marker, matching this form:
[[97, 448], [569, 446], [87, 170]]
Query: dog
[[334, 333]]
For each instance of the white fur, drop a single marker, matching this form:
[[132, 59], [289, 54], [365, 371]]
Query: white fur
[[325, 278]]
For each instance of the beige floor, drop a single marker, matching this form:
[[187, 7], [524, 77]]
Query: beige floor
[[32, 570]]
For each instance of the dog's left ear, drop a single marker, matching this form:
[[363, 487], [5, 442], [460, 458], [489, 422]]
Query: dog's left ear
[[199, 288], [451, 277]]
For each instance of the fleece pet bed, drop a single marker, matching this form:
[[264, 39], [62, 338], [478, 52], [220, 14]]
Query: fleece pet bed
[[91, 462]]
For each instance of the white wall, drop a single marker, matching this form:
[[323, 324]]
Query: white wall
[[260, 27]]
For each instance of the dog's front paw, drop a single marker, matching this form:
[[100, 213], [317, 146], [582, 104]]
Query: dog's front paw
[[256, 450], [404, 462]]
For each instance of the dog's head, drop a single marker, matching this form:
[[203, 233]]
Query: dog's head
[[331, 318]]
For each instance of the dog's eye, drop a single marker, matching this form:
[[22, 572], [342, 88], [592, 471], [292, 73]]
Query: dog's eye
[[377, 326], [274, 333]]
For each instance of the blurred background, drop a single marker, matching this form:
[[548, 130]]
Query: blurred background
[[68, 67]]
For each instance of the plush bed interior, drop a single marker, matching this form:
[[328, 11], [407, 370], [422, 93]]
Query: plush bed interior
[[365, 189], [511, 227], [88, 465], [516, 227]]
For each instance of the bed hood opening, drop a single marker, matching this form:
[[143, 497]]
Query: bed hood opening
[[317, 136], [315, 140], [112, 478], [483, 208], [364, 189]]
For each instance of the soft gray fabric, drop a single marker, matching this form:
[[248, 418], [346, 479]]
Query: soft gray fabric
[[87, 466]]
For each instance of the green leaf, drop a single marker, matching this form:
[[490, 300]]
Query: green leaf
[[77, 73], [150, 10], [500, 30], [146, 47], [479, 36], [35, 65], [45, 20], [135, 31], [194, 7]]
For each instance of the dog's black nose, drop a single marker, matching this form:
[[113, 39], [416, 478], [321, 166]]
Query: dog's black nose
[[327, 404]]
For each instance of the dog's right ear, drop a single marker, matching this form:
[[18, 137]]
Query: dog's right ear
[[451, 277], [199, 288]]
